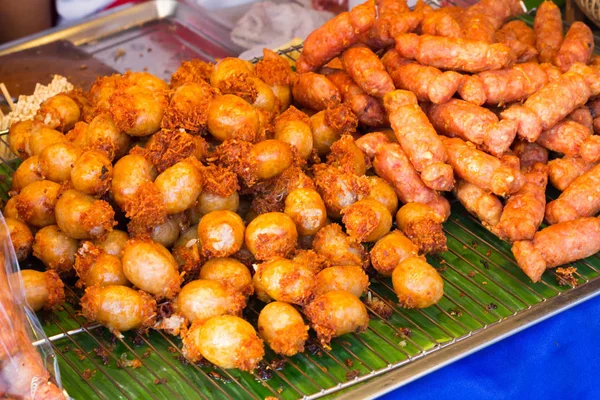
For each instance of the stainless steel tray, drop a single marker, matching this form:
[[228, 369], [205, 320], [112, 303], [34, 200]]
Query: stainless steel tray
[[487, 297]]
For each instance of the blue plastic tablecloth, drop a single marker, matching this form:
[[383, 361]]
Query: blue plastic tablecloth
[[556, 359]]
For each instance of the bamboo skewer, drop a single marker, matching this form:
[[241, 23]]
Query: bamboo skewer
[[7, 96]]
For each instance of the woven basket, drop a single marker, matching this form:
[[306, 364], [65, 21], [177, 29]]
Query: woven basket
[[591, 8]]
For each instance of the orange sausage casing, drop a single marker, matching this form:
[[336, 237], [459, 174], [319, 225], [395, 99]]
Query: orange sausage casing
[[566, 137], [328, 41], [557, 245], [393, 16], [529, 153], [520, 38], [516, 83], [483, 204], [370, 143], [441, 22], [563, 171], [473, 123], [315, 91], [498, 11], [419, 139], [580, 199], [524, 211], [482, 169], [454, 54], [392, 164], [367, 70], [577, 46], [368, 109], [548, 29], [427, 83], [546, 107]]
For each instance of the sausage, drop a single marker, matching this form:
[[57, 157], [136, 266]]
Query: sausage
[[548, 29], [454, 54], [393, 16], [482, 169], [367, 70], [419, 139], [563, 171], [580, 199], [520, 38], [556, 245], [512, 84], [328, 41], [577, 46], [474, 123], [427, 83], [479, 202], [315, 91], [529, 153]]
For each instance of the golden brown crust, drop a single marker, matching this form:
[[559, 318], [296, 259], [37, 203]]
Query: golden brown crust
[[311, 259], [219, 180], [188, 107], [145, 209], [86, 256], [273, 69], [341, 119], [193, 71], [347, 156], [233, 155], [99, 219], [56, 291]]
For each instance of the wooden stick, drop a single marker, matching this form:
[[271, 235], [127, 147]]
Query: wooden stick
[[7, 96]]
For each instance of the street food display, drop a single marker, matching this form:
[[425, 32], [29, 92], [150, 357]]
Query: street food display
[[295, 186]]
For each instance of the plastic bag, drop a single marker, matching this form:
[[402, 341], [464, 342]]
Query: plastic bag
[[26, 372]]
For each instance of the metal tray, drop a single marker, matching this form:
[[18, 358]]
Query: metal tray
[[487, 297]]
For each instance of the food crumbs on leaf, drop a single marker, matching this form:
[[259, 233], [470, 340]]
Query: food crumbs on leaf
[[352, 374], [172, 349], [488, 253], [379, 307], [462, 294], [349, 362], [472, 274], [455, 312], [465, 246], [87, 374], [402, 343], [564, 276], [137, 340], [66, 349], [80, 354], [160, 381], [474, 244], [491, 307], [147, 353], [484, 283], [103, 354]]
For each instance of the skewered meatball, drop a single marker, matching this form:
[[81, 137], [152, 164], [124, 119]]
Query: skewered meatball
[[221, 233], [150, 267], [21, 237], [391, 250], [203, 299], [55, 249], [136, 110], [285, 280], [60, 112], [271, 235], [81, 216], [95, 267], [350, 278], [336, 313], [226, 341], [383, 192], [18, 138], [231, 117], [42, 289], [337, 247], [103, 135], [119, 308], [417, 284], [36, 203], [229, 272], [283, 328], [43, 136]]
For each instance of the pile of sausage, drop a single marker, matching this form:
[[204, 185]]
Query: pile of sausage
[[238, 180]]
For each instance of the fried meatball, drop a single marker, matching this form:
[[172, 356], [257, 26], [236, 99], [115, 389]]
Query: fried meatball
[[145, 80], [221, 233], [283, 328], [55, 249], [113, 243], [306, 208], [36, 203], [81, 216], [229, 67], [423, 225], [95, 267], [92, 173], [272, 157], [226, 341], [351, 278], [383, 192], [21, 237], [229, 272], [203, 299], [271, 235], [129, 174], [119, 308], [337, 247], [367, 220], [391, 250], [18, 138], [323, 135], [265, 97], [417, 284], [187, 253], [209, 202], [56, 161], [188, 107], [168, 232], [336, 313], [28, 172], [10, 209], [298, 134], [231, 117], [42, 289], [43, 136], [151, 267], [285, 280], [103, 135], [136, 110], [339, 189], [180, 186], [60, 112]]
